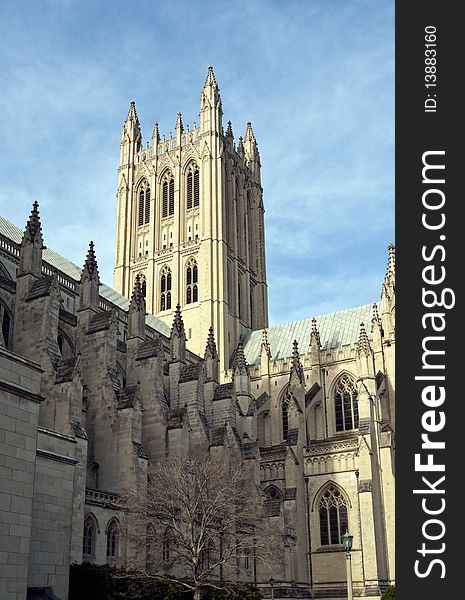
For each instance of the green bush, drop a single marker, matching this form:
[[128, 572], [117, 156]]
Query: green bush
[[389, 593]]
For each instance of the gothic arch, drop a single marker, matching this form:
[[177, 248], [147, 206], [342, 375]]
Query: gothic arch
[[331, 507], [318, 495], [89, 536], [192, 280], [343, 400], [112, 533], [283, 405], [65, 344]]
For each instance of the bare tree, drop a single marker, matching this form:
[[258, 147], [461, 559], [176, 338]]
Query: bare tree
[[201, 517]]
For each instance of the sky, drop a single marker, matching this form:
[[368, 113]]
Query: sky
[[315, 78]]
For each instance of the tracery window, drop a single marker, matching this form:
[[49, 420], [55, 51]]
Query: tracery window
[[168, 196], [167, 547], [192, 199], [333, 516], [346, 404], [89, 536], [165, 289], [285, 415], [6, 323], [112, 539], [192, 278], [144, 203]]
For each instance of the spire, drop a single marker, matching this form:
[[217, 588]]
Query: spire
[[33, 231], [178, 324], [137, 298], [240, 148], [155, 134], [249, 134], [315, 334], [363, 344], [391, 268], [375, 319], [240, 364], [179, 125], [211, 79], [132, 114], [265, 345], [210, 350], [296, 367], [229, 133], [90, 269]]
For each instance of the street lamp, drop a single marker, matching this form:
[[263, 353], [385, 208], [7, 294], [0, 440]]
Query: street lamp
[[347, 542], [272, 587]]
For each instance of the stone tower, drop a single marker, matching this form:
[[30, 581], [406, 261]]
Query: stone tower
[[190, 224]]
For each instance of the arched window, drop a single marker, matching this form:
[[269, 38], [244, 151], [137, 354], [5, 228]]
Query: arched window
[[171, 198], [6, 322], [192, 199], [89, 537], [192, 278], [167, 547], [167, 196], [272, 503], [333, 516], [165, 289], [346, 404], [112, 538], [285, 414], [206, 556], [165, 199], [144, 203]]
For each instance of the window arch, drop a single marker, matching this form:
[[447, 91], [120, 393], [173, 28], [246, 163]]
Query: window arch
[[113, 538], [333, 516], [89, 536], [192, 280], [285, 412], [6, 323], [272, 502], [144, 203], [168, 195], [206, 555], [193, 187], [167, 546], [165, 289], [346, 404]]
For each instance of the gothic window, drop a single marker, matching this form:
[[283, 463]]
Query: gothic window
[[7, 325], [165, 199], [346, 404], [206, 556], [285, 414], [167, 547], [144, 203], [168, 196], [272, 503], [89, 537], [332, 510], [192, 199], [171, 198], [192, 278], [112, 539], [165, 289]]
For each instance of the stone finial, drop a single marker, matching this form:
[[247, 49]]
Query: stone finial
[[178, 324], [211, 79], [90, 269], [240, 148], [296, 367], [391, 268], [265, 345], [33, 231], [210, 349], [137, 298], [363, 344], [240, 364], [249, 134], [375, 319], [179, 124], [155, 133], [132, 114], [229, 131], [315, 334]]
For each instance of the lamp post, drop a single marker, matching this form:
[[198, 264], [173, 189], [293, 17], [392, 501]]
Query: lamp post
[[347, 541], [272, 587]]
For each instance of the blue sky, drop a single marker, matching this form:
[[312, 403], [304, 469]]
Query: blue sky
[[315, 77]]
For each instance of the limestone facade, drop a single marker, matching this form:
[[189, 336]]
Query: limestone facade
[[93, 389]]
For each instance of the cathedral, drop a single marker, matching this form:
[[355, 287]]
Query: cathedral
[[99, 383]]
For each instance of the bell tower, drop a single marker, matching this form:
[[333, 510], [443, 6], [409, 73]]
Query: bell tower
[[190, 224]]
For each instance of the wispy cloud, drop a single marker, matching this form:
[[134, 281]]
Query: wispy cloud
[[315, 77]]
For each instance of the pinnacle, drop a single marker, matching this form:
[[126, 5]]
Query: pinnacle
[[391, 266], [178, 324], [211, 79], [229, 131], [296, 367], [179, 124], [249, 134], [315, 334], [265, 345], [132, 114], [137, 295], [240, 147], [240, 364], [33, 229], [90, 264], [363, 344], [210, 349]]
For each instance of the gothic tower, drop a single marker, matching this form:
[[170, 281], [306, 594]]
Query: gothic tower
[[190, 224]]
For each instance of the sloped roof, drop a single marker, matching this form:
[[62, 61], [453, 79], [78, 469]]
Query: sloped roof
[[336, 329], [57, 261]]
